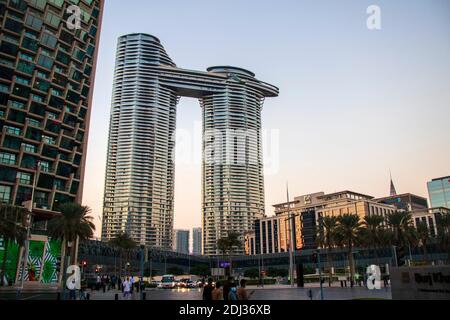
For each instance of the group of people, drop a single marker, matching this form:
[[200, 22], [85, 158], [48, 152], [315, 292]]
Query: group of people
[[228, 291], [125, 285]]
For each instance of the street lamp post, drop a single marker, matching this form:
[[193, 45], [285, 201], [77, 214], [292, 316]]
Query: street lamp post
[[394, 251], [319, 265], [29, 222], [141, 280], [291, 238]]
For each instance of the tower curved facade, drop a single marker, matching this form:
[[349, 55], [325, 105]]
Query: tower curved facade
[[139, 187]]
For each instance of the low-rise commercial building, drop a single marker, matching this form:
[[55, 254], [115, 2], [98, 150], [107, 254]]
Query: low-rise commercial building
[[431, 217], [298, 220]]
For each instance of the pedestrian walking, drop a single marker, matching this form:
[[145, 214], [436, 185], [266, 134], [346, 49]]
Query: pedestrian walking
[[226, 288], [217, 293], [207, 290], [71, 284], [126, 286], [232, 295], [242, 292], [132, 283]]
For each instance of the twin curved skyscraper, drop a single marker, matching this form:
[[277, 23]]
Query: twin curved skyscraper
[[139, 189]]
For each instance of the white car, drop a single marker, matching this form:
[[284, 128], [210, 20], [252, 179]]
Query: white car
[[168, 282]]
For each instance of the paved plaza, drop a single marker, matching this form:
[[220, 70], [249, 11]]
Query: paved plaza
[[267, 293]]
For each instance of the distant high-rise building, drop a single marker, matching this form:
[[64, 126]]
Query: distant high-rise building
[[47, 71], [197, 241], [439, 192], [181, 241], [139, 188]]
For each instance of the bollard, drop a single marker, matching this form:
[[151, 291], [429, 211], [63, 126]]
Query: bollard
[[88, 296], [116, 296], [144, 295], [58, 296]]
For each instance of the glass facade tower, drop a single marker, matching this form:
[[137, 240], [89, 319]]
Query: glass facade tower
[[140, 169], [439, 192]]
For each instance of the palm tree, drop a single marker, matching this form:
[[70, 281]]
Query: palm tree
[[348, 230], [443, 227], [12, 229], [327, 238], [423, 234], [74, 224], [371, 232], [227, 244], [401, 225], [125, 244]]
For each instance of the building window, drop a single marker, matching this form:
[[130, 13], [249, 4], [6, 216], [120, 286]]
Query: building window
[[45, 61], [49, 40], [21, 91], [34, 123], [52, 19], [4, 88], [24, 178], [16, 104], [13, 130], [45, 166], [33, 22], [49, 140], [29, 148], [25, 67], [40, 4], [23, 81], [37, 98], [26, 57], [7, 158], [12, 143], [42, 74], [5, 194]]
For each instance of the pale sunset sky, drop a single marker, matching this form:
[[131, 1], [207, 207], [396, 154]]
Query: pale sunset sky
[[354, 103]]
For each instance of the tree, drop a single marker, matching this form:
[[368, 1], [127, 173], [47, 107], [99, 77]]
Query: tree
[[251, 273], [12, 229], [326, 236], [401, 225], [443, 227], [274, 272], [125, 244], [200, 270], [423, 234], [176, 271], [72, 225], [348, 230], [228, 244], [372, 232]]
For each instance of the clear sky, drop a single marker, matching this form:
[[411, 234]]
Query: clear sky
[[353, 102]]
